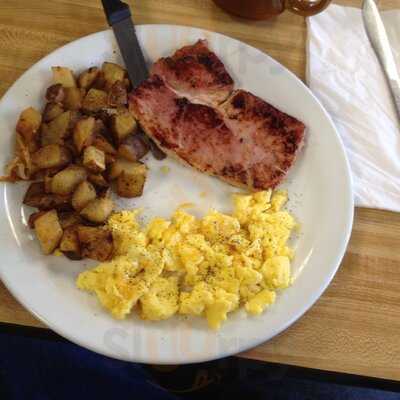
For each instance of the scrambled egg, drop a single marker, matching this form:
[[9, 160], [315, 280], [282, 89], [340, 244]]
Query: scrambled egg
[[206, 267]]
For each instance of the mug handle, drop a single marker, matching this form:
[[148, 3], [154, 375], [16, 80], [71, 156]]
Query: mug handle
[[306, 8]]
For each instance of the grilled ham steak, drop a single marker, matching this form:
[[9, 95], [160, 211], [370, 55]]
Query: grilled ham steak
[[197, 73], [244, 140]]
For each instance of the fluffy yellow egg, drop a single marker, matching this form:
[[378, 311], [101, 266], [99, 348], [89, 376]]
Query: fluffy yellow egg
[[205, 267]]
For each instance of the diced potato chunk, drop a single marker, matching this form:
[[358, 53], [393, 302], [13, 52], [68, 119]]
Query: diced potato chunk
[[95, 100], [51, 111], [131, 181], [51, 156], [88, 77], [68, 179], [48, 231], [96, 242], [98, 210], [101, 143], [70, 245], [112, 73], [83, 195], [56, 130], [98, 180], [133, 148], [118, 95], [55, 93], [94, 159], [69, 218], [83, 133], [64, 76], [29, 123], [37, 197], [122, 125], [73, 98]]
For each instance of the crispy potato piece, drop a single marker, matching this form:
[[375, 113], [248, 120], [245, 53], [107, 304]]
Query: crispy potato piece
[[73, 98], [69, 218], [98, 210], [56, 130], [29, 123], [51, 111], [68, 179], [64, 76], [51, 156], [83, 133], [119, 166], [98, 180], [83, 195], [109, 158], [118, 95], [101, 143], [88, 77], [112, 73], [96, 242], [94, 159], [70, 245], [36, 196], [130, 183], [94, 100], [55, 93], [33, 217], [47, 184], [48, 231], [122, 125], [133, 148]]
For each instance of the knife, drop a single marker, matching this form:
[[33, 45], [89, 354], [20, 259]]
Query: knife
[[119, 18], [379, 40]]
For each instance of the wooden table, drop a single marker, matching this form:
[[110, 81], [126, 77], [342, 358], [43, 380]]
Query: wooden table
[[355, 326]]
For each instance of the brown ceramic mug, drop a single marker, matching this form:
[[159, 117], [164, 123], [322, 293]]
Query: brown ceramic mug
[[263, 9]]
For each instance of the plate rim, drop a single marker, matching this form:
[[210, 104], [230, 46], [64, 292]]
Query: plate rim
[[316, 294]]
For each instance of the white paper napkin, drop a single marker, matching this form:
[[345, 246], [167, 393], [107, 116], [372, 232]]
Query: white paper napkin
[[344, 73]]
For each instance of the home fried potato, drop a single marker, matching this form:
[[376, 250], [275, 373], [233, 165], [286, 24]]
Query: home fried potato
[[98, 180], [130, 182], [112, 73], [65, 181], [98, 210], [55, 93], [133, 148], [51, 111], [88, 77], [96, 242], [37, 197], [101, 143], [70, 245], [64, 76], [122, 125], [69, 218], [94, 159], [94, 100], [33, 217], [56, 130], [83, 195], [83, 133], [118, 95], [48, 231], [73, 98], [50, 156], [29, 123]]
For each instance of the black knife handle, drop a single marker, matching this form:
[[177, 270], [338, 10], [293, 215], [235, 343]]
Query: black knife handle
[[115, 10]]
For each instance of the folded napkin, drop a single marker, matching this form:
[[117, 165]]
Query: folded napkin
[[345, 75]]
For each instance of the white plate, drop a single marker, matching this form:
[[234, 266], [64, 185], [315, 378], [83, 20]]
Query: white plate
[[320, 196]]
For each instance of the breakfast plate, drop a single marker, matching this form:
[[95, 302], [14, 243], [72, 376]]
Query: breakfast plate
[[320, 196]]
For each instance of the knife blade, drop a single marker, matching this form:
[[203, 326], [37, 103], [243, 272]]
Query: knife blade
[[120, 19], [377, 35]]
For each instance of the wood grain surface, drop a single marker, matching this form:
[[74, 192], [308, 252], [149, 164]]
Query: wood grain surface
[[355, 325]]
